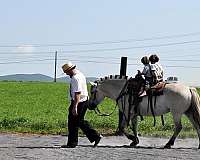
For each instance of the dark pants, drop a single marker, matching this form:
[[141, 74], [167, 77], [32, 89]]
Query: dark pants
[[74, 122]]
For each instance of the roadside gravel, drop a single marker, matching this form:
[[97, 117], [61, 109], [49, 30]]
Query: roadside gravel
[[23, 147]]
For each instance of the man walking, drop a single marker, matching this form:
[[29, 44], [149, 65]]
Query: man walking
[[78, 108]]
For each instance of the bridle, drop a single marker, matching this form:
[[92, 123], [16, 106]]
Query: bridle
[[96, 109]]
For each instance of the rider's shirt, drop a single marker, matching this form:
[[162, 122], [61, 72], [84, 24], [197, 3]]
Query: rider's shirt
[[157, 71], [146, 71]]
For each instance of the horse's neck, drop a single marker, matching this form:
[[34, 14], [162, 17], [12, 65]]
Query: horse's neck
[[112, 88]]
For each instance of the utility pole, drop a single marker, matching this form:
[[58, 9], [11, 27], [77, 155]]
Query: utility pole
[[55, 66], [121, 123]]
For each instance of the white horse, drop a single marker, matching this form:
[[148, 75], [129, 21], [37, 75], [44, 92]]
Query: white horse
[[177, 99]]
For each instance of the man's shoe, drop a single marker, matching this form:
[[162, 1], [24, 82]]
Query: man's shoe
[[97, 141], [68, 146]]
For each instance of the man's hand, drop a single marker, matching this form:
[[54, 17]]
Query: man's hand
[[76, 102], [74, 111]]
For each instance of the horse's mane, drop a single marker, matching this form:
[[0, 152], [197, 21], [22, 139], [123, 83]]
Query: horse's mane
[[111, 77]]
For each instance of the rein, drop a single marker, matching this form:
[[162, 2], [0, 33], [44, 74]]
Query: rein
[[122, 94], [121, 97], [99, 113], [132, 101]]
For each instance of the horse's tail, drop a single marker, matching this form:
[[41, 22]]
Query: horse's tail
[[195, 105]]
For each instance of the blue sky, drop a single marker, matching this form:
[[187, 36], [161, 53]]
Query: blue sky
[[32, 30]]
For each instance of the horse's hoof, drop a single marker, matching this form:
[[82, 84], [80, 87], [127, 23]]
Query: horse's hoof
[[167, 146], [133, 144]]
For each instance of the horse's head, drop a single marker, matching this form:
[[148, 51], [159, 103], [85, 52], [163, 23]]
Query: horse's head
[[96, 95], [105, 87]]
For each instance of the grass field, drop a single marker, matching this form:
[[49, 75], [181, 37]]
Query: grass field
[[39, 107]]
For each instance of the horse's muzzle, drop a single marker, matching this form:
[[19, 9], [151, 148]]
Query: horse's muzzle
[[91, 105]]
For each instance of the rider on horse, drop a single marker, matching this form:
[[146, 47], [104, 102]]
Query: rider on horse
[[153, 72], [156, 69]]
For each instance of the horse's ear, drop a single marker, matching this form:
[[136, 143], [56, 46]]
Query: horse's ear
[[92, 83]]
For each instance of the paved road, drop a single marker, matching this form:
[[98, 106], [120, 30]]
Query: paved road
[[33, 147]]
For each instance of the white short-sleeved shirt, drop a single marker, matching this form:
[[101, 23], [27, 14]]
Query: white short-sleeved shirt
[[158, 70], [78, 84]]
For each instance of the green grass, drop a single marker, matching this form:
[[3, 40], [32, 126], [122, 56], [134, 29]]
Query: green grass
[[39, 107], [33, 107]]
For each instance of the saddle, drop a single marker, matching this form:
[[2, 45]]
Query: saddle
[[158, 88]]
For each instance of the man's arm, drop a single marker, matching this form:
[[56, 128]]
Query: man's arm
[[76, 102]]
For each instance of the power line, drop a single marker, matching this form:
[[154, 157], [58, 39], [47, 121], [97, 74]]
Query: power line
[[166, 53], [111, 49], [38, 60], [198, 54], [182, 60], [114, 58], [103, 42], [135, 47], [24, 57], [103, 62], [177, 66], [64, 56], [26, 53], [97, 57]]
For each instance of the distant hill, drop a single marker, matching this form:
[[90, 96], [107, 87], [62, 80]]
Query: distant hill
[[26, 77], [63, 79], [38, 77]]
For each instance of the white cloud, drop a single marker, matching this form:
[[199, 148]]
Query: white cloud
[[25, 49]]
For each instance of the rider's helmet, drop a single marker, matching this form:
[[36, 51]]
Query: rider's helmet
[[145, 60], [154, 58]]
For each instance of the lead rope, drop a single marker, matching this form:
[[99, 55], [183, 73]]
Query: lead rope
[[99, 113]]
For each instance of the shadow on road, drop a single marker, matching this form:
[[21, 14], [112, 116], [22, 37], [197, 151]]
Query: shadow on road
[[105, 146]]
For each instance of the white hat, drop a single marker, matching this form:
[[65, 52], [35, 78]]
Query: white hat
[[68, 66]]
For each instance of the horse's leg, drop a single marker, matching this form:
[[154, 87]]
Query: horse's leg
[[134, 124], [177, 129], [195, 123], [133, 136], [121, 125]]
